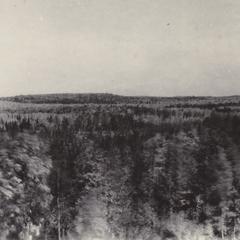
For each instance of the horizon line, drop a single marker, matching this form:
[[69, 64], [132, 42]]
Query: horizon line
[[119, 95]]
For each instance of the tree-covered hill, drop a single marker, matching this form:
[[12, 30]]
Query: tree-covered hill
[[124, 168]]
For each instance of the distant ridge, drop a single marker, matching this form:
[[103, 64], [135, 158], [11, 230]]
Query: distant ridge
[[108, 98]]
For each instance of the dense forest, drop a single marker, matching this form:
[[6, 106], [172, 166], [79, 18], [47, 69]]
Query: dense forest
[[101, 166]]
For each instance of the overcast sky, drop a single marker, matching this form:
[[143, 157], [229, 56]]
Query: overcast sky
[[130, 47]]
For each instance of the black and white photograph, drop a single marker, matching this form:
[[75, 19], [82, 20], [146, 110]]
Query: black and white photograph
[[119, 120]]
